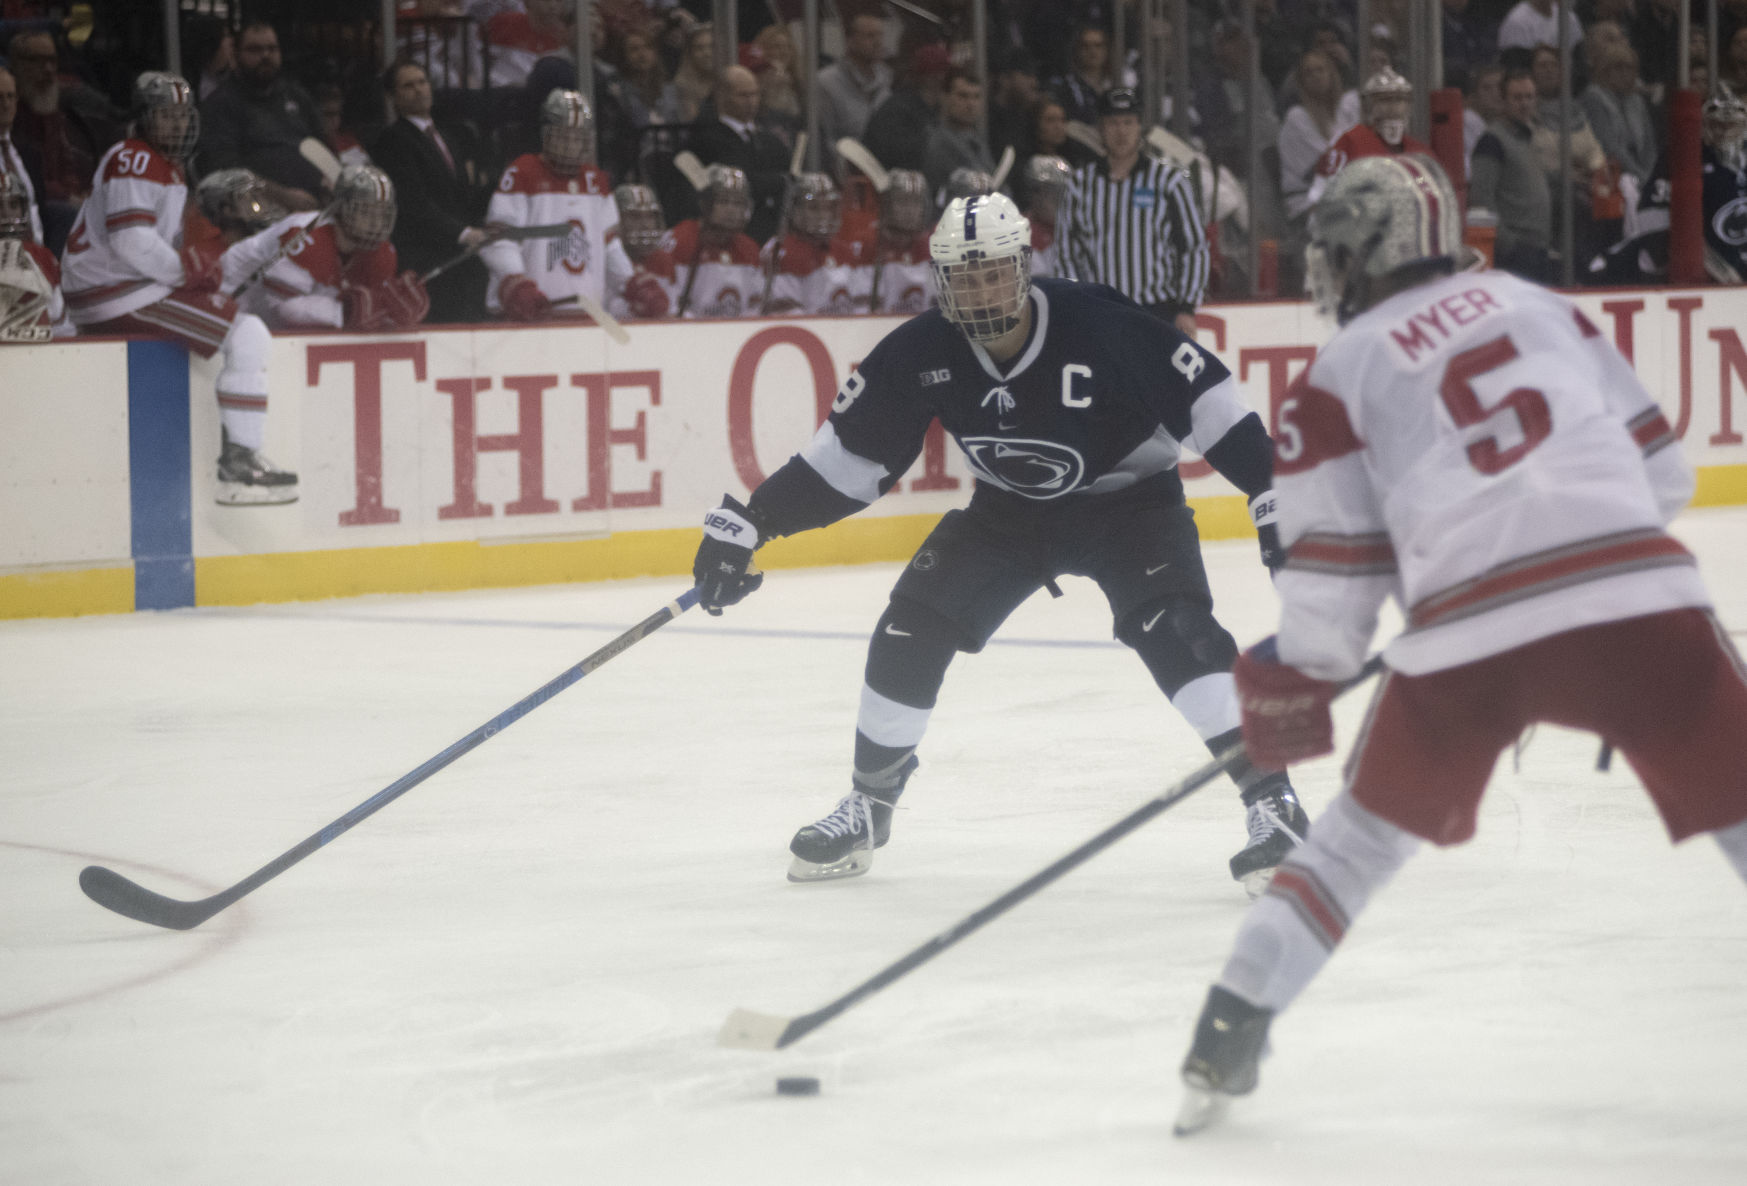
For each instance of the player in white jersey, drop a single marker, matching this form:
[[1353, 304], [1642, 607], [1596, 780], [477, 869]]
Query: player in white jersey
[[1046, 181], [558, 186], [811, 268], [126, 270], [643, 230], [306, 272], [31, 306], [1471, 445], [708, 263], [900, 274]]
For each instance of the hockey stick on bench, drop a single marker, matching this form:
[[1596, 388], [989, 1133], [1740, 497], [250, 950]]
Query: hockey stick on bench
[[749, 1030], [112, 891]]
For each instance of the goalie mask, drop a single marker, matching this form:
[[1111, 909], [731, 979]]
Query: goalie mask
[[164, 114], [1385, 97], [981, 252], [725, 206], [904, 207], [968, 183], [1725, 127], [236, 201], [815, 209], [1380, 215], [14, 208], [1046, 180], [364, 205], [566, 131], [641, 223]]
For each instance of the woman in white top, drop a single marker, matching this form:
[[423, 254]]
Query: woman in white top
[[1322, 114]]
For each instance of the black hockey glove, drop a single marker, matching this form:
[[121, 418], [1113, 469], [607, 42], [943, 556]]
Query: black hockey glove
[[723, 567], [1264, 511]]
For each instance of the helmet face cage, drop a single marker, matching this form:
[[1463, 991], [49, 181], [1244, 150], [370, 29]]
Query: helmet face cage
[[968, 183], [816, 210], [905, 208], [641, 222], [982, 265], [726, 206], [14, 208], [236, 200], [1725, 127], [164, 113], [1046, 180], [566, 131], [364, 197], [1378, 215]]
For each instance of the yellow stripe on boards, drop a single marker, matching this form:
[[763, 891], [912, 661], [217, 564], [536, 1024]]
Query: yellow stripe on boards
[[66, 593]]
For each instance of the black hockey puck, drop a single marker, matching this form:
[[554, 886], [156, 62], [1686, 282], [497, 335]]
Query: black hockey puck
[[797, 1085]]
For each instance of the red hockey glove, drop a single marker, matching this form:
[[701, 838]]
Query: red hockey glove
[[201, 269], [645, 296], [1286, 716], [361, 309], [522, 300], [404, 300]]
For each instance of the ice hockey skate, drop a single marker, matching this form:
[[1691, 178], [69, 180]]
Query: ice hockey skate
[[1277, 825], [842, 844], [1230, 1039], [246, 478]]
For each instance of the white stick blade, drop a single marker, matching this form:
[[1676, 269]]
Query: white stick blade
[[602, 318], [1004, 166], [688, 164], [746, 1030], [858, 154], [1201, 1109], [1086, 134], [798, 158], [321, 156]]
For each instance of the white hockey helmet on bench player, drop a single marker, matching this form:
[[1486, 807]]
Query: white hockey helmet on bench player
[[364, 205], [566, 131], [981, 250], [1379, 215]]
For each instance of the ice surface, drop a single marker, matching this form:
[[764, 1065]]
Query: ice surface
[[515, 974]]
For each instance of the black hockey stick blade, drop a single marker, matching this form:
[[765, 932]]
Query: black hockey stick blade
[[746, 1029], [112, 891]]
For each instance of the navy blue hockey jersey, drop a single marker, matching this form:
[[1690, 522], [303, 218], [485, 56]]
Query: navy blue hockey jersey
[[1645, 256], [1102, 396]]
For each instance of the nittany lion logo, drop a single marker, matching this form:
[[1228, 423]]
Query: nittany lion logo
[[1035, 469], [1730, 223]]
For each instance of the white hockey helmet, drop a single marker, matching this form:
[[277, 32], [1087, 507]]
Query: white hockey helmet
[[164, 113], [1725, 126], [566, 131], [1046, 180], [1379, 215], [981, 250], [725, 202], [905, 207], [14, 207], [1385, 98], [641, 221], [236, 200], [364, 205], [815, 206]]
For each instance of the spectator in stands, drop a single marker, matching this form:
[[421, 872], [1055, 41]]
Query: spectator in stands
[[1470, 39], [1509, 180], [695, 80], [733, 137], [1484, 103], [1619, 115], [435, 177], [956, 142], [1536, 22], [851, 88], [1656, 36], [1323, 112], [209, 48], [1082, 86], [1049, 135], [771, 58], [11, 161], [63, 126], [1224, 99], [1015, 99], [1586, 152], [516, 40], [256, 119], [649, 96], [330, 103], [897, 132], [1734, 68]]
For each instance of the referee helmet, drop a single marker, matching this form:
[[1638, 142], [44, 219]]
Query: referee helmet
[[1381, 217], [981, 251]]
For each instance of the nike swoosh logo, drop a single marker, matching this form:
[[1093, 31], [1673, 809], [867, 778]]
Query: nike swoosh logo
[[1004, 426], [891, 629], [1147, 628], [1160, 568]]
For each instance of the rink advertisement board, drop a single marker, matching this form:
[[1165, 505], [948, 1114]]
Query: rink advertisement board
[[464, 458]]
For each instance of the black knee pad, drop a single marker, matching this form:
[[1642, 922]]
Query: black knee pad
[[1179, 640], [909, 653]]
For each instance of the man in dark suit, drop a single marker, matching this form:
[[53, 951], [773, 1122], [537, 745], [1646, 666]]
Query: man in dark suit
[[734, 138], [436, 185]]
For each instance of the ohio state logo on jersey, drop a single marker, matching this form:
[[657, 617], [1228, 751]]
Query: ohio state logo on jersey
[[728, 303], [1035, 469], [840, 303], [571, 252], [914, 300]]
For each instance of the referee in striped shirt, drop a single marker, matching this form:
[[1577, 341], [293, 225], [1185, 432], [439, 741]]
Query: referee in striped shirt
[[1130, 221]]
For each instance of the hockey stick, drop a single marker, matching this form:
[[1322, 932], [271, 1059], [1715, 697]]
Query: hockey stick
[[857, 154], [291, 245], [322, 157], [748, 1030], [499, 234], [112, 891], [1003, 167]]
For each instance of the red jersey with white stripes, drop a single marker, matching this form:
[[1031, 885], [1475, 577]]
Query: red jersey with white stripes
[[122, 254], [729, 282], [302, 287], [900, 278], [1475, 448], [815, 279]]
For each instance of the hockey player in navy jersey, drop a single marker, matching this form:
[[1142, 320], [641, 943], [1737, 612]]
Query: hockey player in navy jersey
[[1071, 404]]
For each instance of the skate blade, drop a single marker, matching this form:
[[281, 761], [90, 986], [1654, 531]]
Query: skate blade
[[1256, 883], [239, 494], [853, 865], [1201, 1109]]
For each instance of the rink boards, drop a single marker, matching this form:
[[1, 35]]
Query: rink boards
[[470, 458]]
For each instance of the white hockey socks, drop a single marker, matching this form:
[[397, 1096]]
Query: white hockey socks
[[1209, 704], [1733, 841], [1293, 928], [242, 383]]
